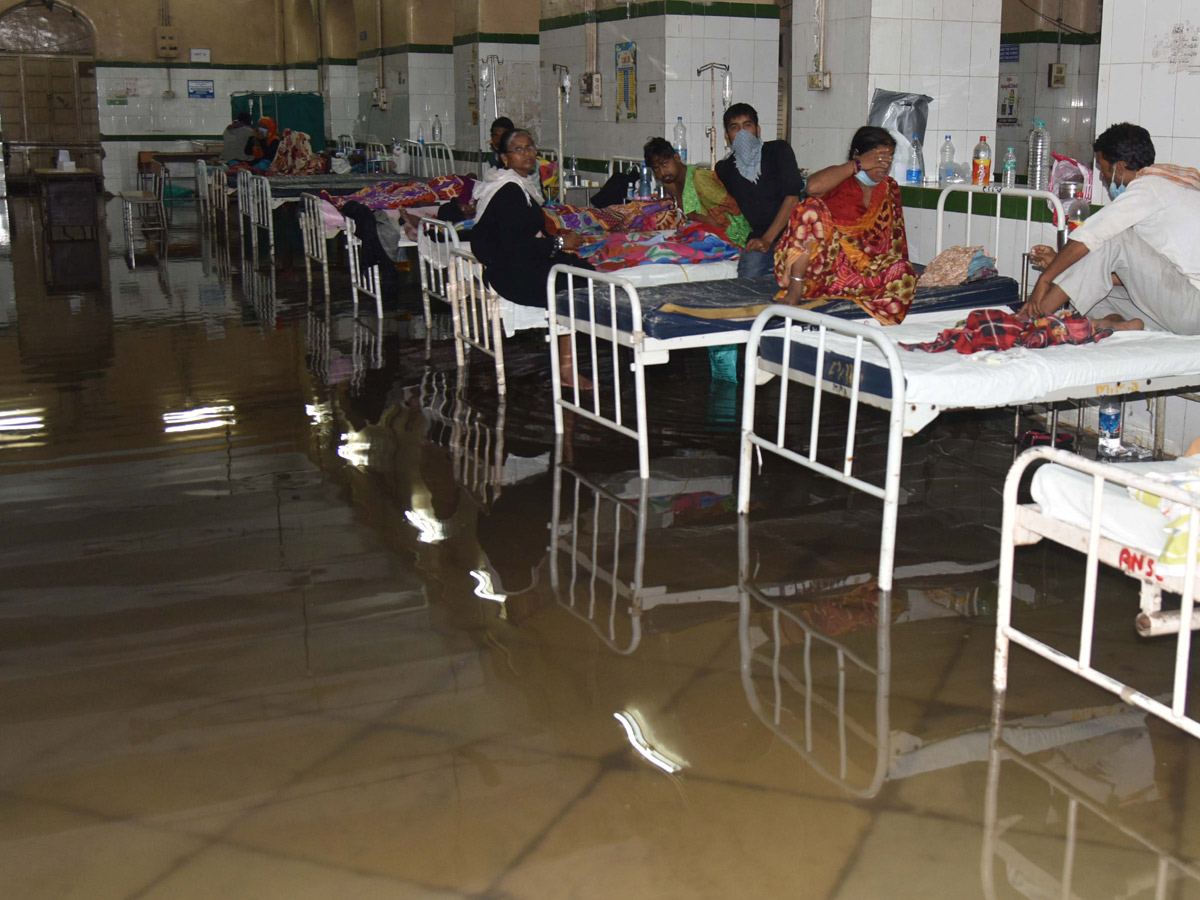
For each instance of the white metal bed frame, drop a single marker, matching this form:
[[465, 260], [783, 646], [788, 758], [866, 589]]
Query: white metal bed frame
[[1027, 524], [364, 280], [651, 351], [255, 206], [312, 235], [474, 309], [435, 270]]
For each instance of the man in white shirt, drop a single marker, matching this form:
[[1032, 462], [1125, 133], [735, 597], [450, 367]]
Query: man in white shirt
[[1135, 263]]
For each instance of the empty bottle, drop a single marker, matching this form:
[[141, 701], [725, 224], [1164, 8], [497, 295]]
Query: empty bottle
[[1039, 156], [915, 173], [981, 162], [1008, 169], [421, 133], [435, 130], [946, 169], [679, 138]]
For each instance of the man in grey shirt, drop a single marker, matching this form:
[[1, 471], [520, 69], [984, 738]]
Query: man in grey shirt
[[234, 138]]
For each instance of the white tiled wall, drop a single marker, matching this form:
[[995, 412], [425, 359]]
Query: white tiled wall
[[1069, 112], [518, 97], [669, 51], [1142, 81], [341, 98], [430, 92], [946, 49]]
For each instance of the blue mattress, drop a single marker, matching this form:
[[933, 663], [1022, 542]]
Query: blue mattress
[[835, 367], [736, 292]]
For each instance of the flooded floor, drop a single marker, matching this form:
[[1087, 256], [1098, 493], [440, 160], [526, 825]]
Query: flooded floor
[[289, 610]]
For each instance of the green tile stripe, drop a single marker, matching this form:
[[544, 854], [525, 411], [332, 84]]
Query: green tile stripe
[[662, 8], [144, 138], [406, 48], [494, 37], [1047, 37], [127, 64]]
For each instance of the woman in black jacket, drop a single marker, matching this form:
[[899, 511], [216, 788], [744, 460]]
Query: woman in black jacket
[[509, 237]]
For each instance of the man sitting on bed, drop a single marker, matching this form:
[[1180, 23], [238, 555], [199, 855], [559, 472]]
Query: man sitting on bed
[[1136, 263], [697, 192], [765, 182]]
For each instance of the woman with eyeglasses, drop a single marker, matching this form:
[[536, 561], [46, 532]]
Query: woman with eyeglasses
[[509, 236]]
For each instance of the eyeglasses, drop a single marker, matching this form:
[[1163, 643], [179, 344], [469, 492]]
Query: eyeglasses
[[522, 148]]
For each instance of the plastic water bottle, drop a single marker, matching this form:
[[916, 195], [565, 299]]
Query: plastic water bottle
[[574, 172], [435, 130], [946, 169], [421, 133], [1039, 156], [679, 138], [1008, 169], [646, 185], [915, 174], [1110, 428], [981, 162]]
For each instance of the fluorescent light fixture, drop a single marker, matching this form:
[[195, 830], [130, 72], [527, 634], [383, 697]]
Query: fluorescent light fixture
[[638, 741], [484, 588], [429, 529], [202, 418]]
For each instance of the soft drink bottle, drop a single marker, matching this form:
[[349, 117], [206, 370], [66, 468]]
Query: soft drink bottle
[[1008, 169], [946, 169], [981, 162]]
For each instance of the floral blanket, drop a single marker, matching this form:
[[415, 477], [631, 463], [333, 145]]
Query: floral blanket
[[693, 244], [637, 215], [397, 194]]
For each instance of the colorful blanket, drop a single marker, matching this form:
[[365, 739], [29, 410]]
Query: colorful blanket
[[388, 195], [295, 156], [693, 244], [637, 215], [994, 329]]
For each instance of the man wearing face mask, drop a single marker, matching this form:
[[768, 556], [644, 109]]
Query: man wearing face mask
[[764, 180], [1135, 263]]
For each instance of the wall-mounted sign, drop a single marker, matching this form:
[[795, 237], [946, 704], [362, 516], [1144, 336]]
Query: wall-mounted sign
[[626, 80], [201, 54], [201, 89], [1010, 99], [1010, 53]]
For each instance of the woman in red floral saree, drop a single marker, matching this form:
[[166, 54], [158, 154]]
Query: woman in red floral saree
[[847, 239]]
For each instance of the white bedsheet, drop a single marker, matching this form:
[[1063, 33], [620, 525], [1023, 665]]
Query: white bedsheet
[[672, 273], [954, 380], [1066, 494]]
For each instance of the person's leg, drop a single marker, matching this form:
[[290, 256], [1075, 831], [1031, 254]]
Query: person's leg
[[755, 263], [566, 365]]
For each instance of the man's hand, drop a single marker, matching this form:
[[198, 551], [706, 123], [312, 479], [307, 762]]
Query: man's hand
[[1042, 255], [757, 245]]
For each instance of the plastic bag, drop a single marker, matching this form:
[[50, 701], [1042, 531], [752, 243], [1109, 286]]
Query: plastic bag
[[903, 115]]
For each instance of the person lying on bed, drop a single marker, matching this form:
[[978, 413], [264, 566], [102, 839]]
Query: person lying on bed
[[698, 192], [847, 239], [509, 238], [1135, 263]]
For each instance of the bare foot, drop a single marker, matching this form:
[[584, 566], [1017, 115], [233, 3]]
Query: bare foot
[[795, 287], [569, 380], [1116, 323]]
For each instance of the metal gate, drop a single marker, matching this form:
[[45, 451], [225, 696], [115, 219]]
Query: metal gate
[[48, 103]]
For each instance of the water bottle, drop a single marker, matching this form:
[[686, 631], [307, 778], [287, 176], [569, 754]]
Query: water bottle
[[946, 169], [981, 162], [1008, 169], [1075, 207], [574, 172], [679, 138], [421, 133], [915, 174], [1039, 156], [435, 130], [397, 155], [1110, 428], [629, 189], [646, 185]]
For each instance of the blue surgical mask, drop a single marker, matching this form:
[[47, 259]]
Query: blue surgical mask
[[865, 179], [1115, 190]]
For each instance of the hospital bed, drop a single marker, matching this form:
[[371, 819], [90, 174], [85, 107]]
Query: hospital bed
[[1085, 506], [613, 316]]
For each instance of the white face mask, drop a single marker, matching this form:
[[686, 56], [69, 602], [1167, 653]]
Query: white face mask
[[865, 179]]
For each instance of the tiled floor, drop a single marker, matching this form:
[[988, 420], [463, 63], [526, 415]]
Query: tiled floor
[[303, 650]]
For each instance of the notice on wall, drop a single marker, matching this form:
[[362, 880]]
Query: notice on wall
[[626, 91], [1010, 99], [201, 89], [1010, 53], [1178, 48], [118, 98]]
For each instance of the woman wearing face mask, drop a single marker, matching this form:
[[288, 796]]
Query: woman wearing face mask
[[263, 143], [847, 239]]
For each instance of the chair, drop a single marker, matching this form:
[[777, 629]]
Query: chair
[[148, 208]]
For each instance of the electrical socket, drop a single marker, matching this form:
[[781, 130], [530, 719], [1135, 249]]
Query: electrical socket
[[819, 81]]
